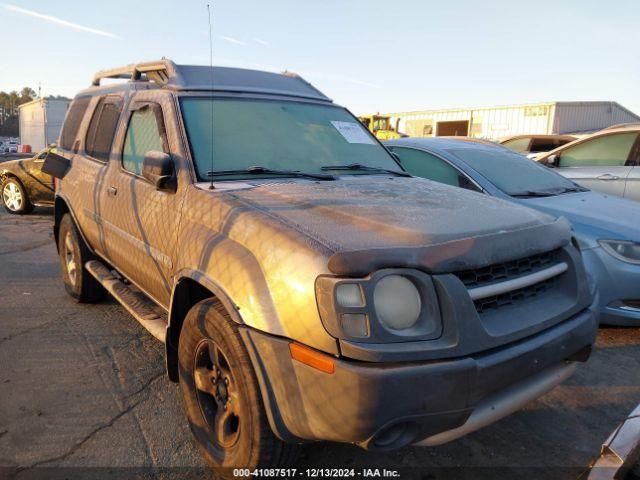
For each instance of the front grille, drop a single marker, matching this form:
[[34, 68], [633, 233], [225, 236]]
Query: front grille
[[511, 298], [503, 272]]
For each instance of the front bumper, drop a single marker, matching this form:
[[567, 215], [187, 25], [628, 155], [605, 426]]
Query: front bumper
[[390, 405], [617, 281]]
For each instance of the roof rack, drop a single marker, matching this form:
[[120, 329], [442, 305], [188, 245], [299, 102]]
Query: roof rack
[[160, 72]]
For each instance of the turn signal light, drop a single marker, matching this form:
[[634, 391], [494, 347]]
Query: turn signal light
[[312, 357]]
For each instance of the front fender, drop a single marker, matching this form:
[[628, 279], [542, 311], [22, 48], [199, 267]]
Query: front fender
[[265, 269]]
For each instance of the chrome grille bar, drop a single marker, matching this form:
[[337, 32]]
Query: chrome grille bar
[[494, 289]]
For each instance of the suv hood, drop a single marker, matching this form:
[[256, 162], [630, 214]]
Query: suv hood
[[376, 221], [593, 215]]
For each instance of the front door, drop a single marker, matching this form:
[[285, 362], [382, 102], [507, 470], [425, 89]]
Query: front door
[[41, 188], [141, 222], [601, 163]]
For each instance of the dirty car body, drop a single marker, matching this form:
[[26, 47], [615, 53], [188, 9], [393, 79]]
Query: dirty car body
[[37, 184], [504, 309]]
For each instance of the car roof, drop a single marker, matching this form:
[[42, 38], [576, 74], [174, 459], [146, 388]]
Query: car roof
[[623, 126], [441, 144], [538, 136], [165, 74]]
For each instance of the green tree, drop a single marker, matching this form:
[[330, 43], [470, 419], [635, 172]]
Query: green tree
[[9, 102]]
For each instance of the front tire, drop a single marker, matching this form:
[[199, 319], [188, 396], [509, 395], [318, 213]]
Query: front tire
[[221, 395], [15, 198], [74, 254]]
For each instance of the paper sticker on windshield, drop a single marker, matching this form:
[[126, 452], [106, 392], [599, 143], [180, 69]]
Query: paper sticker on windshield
[[352, 132]]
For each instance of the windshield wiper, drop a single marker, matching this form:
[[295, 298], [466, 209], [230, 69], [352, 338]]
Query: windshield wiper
[[359, 166], [573, 189], [258, 170], [532, 193]]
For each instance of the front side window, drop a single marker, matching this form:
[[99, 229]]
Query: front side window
[[511, 172], [279, 135], [605, 151], [381, 123], [144, 134], [425, 165]]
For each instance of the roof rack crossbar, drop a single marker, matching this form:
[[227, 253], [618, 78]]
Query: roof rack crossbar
[[160, 72]]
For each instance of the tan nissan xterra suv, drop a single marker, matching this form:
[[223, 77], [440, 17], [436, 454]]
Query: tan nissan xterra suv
[[306, 287]]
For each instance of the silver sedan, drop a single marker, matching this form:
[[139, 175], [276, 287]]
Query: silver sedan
[[607, 161]]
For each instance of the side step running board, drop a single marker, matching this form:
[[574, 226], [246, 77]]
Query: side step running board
[[136, 303]]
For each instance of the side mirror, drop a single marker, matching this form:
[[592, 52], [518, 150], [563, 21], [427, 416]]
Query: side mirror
[[159, 169], [55, 165], [552, 161], [396, 156]]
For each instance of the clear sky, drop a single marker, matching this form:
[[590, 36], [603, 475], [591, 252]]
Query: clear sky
[[370, 55]]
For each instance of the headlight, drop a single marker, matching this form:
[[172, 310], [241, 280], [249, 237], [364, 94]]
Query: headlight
[[397, 302], [622, 250]]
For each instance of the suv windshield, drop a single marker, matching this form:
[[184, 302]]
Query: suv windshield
[[277, 135], [514, 174]]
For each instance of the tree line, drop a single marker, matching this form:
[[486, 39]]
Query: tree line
[[9, 103]]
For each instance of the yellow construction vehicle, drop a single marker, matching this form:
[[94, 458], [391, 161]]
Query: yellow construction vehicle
[[380, 126]]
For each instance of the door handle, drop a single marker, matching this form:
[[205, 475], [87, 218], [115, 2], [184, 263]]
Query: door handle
[[608, 176], [113, 191]]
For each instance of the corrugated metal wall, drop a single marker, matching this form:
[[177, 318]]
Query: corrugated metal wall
[[575, 117], [484, 122], [539, 118]]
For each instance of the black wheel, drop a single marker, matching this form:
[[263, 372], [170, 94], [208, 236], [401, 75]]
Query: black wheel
[[74, 254], [15, 198], [221, 394]]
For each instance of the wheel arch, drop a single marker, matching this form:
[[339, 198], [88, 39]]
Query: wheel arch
[[4, 174], [190, 288], [60, 208]]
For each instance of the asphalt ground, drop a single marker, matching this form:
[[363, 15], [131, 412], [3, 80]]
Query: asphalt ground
[[83, 394]]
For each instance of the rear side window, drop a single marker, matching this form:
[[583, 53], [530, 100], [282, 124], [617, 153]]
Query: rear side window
[[72, 122], [604, 151], [518, 144], [102, 128], [144, 134]]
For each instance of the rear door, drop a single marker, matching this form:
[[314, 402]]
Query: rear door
[[140, 222], [601, 163]]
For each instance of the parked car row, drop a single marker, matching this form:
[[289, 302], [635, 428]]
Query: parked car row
[[8, 147], [308, 284], [607, 228]]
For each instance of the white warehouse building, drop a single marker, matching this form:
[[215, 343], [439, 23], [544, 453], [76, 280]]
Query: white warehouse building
[[41, 121], [497, 122]]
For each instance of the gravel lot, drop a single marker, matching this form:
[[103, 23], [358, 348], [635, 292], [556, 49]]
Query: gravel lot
[[83, 394]]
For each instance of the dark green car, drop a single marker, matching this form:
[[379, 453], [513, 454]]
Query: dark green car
[[24, 185]]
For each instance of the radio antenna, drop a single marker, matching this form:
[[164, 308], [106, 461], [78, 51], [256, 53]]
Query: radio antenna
[[211, 187]]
